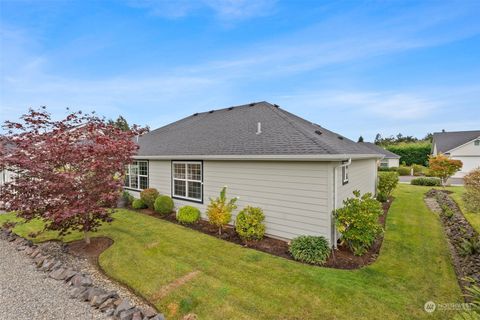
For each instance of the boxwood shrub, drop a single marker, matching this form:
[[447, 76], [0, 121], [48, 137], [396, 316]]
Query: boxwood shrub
[[138, 204], [425, 181], [404, 171], [163, 204], [310, 249], [249, 223], [148, 196], [188, 215]]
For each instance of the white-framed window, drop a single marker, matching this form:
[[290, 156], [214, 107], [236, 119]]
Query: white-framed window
[[384, 163], [344, 175], [477, 143], [187, 180], [136, 175]]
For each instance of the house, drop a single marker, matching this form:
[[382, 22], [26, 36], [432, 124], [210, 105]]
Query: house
[[296, 171], [459, 145], [390, 159]]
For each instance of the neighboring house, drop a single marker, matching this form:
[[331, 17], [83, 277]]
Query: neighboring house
[[390, 159], [296, 171], [459, 145]]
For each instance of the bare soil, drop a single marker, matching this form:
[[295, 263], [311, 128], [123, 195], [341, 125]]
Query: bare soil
[[342, 258], [89, 251]]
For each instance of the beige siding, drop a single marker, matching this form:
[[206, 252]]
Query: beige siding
[[293, 195], [469, 154], [362, 176]]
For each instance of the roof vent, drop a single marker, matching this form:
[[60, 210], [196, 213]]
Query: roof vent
[[340, 137], [276, 105], [211, 111], [259, 127], [318, 132], [252, 104], [231, 108], [195, 114]]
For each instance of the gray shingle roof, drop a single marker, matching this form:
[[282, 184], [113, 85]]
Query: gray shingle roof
[[446, 141], [386, 153], [232, 131]]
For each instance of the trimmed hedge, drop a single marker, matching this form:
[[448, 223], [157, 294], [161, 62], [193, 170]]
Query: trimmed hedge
[[163, 204], [410, 153], [310, 249], [249, 223], [138, 204], [188, 215], [425, 181], [385, 169], [404, 171]]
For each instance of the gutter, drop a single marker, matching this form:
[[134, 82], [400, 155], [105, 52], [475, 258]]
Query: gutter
[[334, 235], [273, 157]]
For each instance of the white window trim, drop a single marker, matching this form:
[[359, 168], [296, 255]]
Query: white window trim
[[187, 180], [129, 171]]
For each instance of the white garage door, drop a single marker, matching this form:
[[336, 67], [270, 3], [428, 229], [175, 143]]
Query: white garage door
[[469, 163]]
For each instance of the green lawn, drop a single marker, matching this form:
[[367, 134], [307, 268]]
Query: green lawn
[[473, 218], [237, 283]]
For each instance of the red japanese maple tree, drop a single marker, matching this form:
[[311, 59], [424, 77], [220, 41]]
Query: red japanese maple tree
[[67, 172]]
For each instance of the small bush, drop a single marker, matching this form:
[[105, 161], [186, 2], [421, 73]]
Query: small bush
[[149, 196], [471, 197], [425, 181], [418, 169], [470, 246], [357, 221], [138, 204], [128, 197], [446, 211], [188, 215], [387, 182], [404, 171], [219, 211], [310, 249], [163, 204], [249, 223], [388, 169]]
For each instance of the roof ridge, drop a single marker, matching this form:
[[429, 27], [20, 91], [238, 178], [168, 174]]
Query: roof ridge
[[284, 114]]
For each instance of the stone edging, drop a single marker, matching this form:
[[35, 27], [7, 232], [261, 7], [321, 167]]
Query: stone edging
[[82, 286]]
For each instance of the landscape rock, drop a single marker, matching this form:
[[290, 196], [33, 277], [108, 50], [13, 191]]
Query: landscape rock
[[127, 314], [137, 315], [149, 312], [76, 292], [57, 274], [123, 306], [158, 317], [109, 303]]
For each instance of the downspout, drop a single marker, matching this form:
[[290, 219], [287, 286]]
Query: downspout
[[335, 191]]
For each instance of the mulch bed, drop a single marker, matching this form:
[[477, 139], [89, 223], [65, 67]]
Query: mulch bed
[[342, 258], [89, 251]]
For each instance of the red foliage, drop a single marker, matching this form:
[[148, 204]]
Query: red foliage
[[68, 172]]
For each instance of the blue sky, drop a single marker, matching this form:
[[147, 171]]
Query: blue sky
[[355, 67]]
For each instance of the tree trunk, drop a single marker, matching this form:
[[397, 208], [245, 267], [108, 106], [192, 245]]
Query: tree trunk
[[86, 237]]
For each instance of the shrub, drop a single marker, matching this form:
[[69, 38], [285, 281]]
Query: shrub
[[388, 169], [138, 204], [404, 171], [425, 181], [418, 169], [249, 223], [443, 167], [163, 204], [219, 211], [188, 214], [471, 197], [149, 196], [357, 221], [387, 182], [412, 152], [470, 246], [128, 197], [310, 249], [446, 211]]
